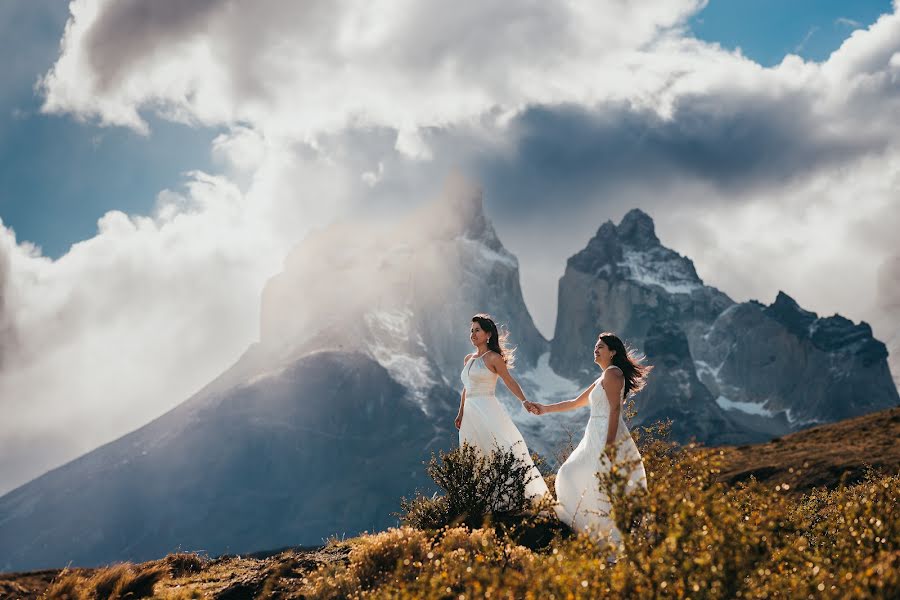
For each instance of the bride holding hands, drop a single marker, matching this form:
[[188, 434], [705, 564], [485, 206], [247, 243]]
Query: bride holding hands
[[482, 421], [581, 503]]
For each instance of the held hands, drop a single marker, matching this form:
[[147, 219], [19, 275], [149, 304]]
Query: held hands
[[534, 408]]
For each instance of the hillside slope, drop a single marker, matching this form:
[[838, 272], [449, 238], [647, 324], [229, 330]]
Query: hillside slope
[[824, 456]]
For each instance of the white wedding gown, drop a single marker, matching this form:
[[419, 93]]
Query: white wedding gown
[[485, 423], [581, 504]]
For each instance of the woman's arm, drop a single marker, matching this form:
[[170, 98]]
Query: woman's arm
[[496, 364], [581, 400], [462, 405], [614, 381]]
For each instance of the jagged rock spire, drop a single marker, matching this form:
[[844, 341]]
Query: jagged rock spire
[[603, 249], [459, 212], [637, 230], [786, 311]]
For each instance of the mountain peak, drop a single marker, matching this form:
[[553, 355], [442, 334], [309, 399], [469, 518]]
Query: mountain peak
[[637, 230], [787, 311], [459, 212], [632, 251], [783, 300], [607, 230], [602, 249], [465, 198]]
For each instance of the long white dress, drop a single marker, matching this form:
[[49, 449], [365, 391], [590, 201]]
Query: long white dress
[[485, 422], [581, 504]]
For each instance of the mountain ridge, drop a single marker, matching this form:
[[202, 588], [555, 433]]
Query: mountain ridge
[[747, 355], [371, 361]]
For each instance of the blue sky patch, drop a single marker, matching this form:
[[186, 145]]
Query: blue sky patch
[[767, 30]]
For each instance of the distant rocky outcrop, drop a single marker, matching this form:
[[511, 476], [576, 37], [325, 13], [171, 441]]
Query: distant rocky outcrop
[[783, 360], [886, 316], [674, 392], [726, 372], [626, 281]]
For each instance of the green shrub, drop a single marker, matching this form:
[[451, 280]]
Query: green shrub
[[476, 487]]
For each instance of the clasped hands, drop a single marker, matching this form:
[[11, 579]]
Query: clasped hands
[[535, 408]]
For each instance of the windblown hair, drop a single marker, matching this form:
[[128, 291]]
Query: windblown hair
[[630, 361], [498, 342]]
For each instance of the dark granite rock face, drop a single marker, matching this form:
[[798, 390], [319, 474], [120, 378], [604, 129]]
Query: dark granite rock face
[[626, 281], [675, 392], [827, 370], [603, 250], [830, 334], [638, 231], [768, 369], [326, 445], [786, 311]]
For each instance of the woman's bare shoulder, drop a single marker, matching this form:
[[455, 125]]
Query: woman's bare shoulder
[[613, 375], [613, 372], [493, 360], [490, 356]]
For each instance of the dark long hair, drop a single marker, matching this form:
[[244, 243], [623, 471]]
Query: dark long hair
[[498, 342], [629, 361]]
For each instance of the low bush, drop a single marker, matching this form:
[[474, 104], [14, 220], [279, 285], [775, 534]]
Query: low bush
[[475, 487]]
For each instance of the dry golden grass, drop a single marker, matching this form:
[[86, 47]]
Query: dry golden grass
[[117, 582], [820, 456], [707, 528], [689, 536]]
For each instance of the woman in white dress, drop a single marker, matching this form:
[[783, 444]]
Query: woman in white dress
[[482, 420], [581, 503]]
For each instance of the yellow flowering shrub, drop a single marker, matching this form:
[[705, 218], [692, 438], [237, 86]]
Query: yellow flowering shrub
[[688, 536]]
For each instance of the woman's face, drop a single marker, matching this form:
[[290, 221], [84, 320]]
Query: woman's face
[[477, 335], [602, 354]]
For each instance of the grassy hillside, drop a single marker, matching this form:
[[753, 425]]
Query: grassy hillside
[[813, 514], [821, 456]]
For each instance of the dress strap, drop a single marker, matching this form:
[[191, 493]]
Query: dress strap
[[471, 362], [615, 367]]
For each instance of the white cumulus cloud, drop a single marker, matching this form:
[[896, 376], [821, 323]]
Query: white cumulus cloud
[[770, 178]]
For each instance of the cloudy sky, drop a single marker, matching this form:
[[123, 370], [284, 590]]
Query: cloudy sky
[[159, 159]]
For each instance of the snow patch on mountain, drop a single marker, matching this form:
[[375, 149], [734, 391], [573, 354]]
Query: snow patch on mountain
[[670, 273], [391, 341], [485, 255], [544, 385], [750, 408], [704, 368], [798, 423]]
